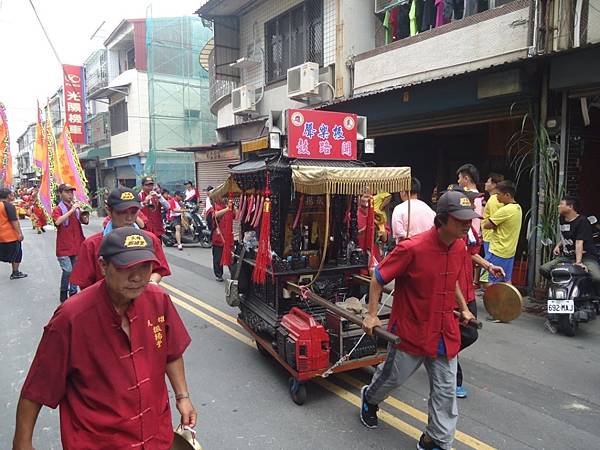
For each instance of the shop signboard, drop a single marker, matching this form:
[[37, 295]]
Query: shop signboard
[[74, 102], [321, 134]]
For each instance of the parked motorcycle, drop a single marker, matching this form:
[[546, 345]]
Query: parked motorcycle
[[194, 229], [572, 297]]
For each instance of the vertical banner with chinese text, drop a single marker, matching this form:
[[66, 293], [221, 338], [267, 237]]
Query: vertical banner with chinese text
[[321, 134], [74, 90], [6, 175]]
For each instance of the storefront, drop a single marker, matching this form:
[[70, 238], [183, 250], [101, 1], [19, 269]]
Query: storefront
[[212, 163], [484, 118], [575, 87]]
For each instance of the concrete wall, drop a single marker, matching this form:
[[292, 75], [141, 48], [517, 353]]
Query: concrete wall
[[594, 22], [482, 44], [136, 138]]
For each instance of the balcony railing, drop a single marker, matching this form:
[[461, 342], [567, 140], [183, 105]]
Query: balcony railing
[[96, 72], [217, 88]]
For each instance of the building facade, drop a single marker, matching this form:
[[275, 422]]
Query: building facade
[[157, 97], [25, 168], [476, 85]]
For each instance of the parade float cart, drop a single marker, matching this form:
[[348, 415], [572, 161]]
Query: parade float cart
[[299, 269]]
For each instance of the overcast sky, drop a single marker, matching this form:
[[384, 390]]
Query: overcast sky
[[29, 71]]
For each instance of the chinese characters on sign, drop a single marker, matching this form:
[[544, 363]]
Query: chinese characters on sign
[[73, 85], [321, 134]]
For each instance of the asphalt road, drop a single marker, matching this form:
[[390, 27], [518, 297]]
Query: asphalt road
[[527, 388]]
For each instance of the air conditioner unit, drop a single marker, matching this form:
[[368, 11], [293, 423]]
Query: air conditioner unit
[[243, 99], [302, 80], [382, 6]]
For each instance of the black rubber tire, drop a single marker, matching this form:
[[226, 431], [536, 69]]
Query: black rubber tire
[[299, 397], [205, 243], [168, 241], [262, 350], [567, 325]]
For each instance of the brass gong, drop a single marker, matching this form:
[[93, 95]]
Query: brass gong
[[503, 301]]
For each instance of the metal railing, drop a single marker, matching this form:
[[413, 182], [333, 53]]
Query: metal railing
[[217, 88], [98, 129]]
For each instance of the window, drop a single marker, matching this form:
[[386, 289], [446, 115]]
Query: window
[[131, 58], [293, 38], [118, 118]]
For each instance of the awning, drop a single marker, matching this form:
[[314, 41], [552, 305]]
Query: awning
[[326, 177], [93, 153], [107, 91], [317, 180]]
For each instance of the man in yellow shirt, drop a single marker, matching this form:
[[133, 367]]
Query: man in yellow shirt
[[506, 226], [491, 206]]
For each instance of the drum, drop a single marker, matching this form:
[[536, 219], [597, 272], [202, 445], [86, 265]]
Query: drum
[[503, 301]]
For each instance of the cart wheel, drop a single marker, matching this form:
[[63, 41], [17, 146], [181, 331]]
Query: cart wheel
[[262, 350], [297, 391]]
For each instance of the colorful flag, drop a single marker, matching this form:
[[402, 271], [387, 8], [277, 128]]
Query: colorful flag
[[68, 167], [40, 148], [47, 183], [6, 174]]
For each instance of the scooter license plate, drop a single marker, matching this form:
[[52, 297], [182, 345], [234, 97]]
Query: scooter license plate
[[561, 307]]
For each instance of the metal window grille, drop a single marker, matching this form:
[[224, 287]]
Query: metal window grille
[[118, 118], [293, 38]]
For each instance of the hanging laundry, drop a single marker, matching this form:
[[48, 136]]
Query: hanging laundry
[[428, 15], [440, 19]]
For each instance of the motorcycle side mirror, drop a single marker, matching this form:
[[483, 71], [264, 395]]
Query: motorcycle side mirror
[[593, 220]]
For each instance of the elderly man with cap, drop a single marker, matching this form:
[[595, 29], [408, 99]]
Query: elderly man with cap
[[153, 204], [123, 208], [426, 270], [103, 358], [67, 218]]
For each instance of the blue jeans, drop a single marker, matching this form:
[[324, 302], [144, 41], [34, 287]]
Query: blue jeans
[[66, 264]]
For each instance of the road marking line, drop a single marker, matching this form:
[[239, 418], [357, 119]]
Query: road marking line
[[382, 415], [340, 392], [200, 303], [417, 414], [221, 326]]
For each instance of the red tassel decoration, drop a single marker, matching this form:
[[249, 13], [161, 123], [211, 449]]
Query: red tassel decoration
[[370, 230], [263, 256], [226, 226]]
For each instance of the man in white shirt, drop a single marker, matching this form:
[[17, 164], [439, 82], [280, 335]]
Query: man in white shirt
[[207, 202], [421, 215]]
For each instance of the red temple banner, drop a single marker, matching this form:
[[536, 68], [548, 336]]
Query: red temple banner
[[321, 134]]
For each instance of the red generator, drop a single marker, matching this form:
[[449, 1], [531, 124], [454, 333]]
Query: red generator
[[306, 343]]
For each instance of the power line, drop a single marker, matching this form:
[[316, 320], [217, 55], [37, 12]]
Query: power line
[[45, 32]]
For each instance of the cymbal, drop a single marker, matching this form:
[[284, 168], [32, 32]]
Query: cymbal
[[503, 301]]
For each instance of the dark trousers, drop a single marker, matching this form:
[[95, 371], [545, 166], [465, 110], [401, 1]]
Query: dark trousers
[[468, 336], [217, 253]]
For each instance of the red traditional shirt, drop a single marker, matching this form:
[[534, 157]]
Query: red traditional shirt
[[110, 387], [217, 237], [153, 213], [87, 269], [426, 271], [69, 234]]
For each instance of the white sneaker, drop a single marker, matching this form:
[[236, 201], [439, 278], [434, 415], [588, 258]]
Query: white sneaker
[[180, 247]]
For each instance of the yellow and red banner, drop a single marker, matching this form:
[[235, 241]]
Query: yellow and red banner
[[6, 173]]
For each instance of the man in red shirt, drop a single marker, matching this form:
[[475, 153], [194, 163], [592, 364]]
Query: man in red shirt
[[426, 269], [124, 210], [221, 216], [152, 206], [174, 215], [69, 236], [103, 359]]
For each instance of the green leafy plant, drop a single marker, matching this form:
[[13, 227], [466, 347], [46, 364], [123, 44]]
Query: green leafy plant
[[521, 147]]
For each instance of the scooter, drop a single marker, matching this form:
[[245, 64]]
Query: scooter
[[572, 297], [194, 228]]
